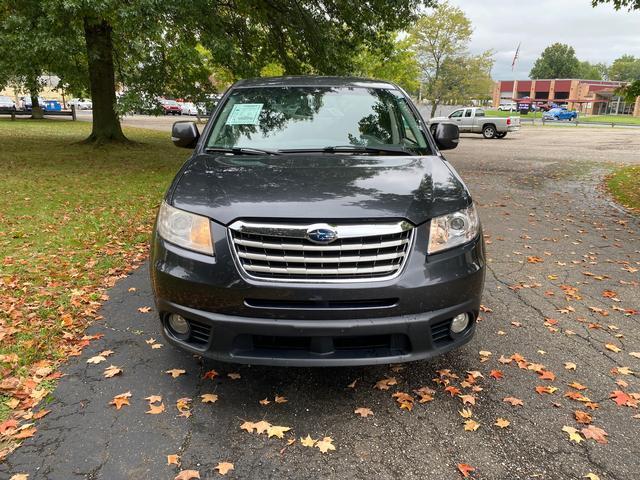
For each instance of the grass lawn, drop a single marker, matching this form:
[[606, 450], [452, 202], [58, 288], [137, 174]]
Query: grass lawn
[[624, 185], [73, 219], [610, 119]]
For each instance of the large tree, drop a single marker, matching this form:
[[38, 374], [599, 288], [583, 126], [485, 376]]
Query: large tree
[[153, 47], [556, 61], [397, 64], [625, 69], [441, 40]]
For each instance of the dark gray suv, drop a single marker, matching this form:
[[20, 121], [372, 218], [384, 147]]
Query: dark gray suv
[[317, 223]]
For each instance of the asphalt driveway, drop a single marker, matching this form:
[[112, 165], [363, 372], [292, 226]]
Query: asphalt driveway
[[562, 305]]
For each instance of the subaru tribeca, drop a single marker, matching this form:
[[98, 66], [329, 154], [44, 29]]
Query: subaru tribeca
[[317, 223]]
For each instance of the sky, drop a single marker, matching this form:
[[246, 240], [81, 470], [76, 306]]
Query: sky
[[599, 34]]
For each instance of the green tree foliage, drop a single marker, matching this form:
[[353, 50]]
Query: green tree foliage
[[171, 47], [397, 64], [30, 46], [556, 61], [625, 68], [630, 92], [448, 71], [592, 71], [618, 4]]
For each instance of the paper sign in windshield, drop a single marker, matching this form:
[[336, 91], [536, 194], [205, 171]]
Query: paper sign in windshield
[[244, 114]]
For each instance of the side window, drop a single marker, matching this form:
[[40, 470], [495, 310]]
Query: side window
[[467, 113], [456, 114], [479, 113]]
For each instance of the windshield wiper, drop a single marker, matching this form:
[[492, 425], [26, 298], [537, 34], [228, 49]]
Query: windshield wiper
[[242, 151], [353, 149]]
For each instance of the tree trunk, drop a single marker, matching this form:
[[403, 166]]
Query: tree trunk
[[106, 124], [34, 89], [434, 107]]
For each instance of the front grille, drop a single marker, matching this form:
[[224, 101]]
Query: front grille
[[361, 252]]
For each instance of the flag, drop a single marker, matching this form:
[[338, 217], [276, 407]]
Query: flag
[[515, 57]]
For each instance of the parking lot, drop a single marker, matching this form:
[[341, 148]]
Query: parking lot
[[559, 335]]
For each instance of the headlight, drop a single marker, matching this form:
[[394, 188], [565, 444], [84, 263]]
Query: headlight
[[453, 229], [185, 229]]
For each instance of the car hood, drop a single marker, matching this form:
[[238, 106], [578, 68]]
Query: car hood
[[328, 187]]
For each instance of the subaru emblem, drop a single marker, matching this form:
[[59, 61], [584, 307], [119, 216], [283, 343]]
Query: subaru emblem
[[321, 233]]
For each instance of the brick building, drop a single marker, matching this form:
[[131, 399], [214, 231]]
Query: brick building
[[592, 97]]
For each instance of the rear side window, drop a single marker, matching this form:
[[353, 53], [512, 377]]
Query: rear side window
[[479, 113]]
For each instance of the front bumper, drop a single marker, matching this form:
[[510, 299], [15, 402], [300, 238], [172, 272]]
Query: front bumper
[[244, 320]]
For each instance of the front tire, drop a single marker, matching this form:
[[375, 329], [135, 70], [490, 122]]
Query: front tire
[[488, 131]]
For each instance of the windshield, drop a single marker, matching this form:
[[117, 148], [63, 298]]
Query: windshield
[[281, 118]]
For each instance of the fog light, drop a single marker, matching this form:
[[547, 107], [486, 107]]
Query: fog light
[[459, 323], [179, 325]]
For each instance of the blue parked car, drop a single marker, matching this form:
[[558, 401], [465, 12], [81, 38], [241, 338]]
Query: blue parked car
[[560, 114], [51, 106]]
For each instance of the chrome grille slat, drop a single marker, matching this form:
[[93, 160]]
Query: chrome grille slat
[[339, 259], [320, 248], [362, 252]]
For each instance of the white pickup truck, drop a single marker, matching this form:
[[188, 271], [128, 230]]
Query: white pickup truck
[[474, 120]]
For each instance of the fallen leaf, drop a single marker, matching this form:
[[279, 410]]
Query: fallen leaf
[[175, 372], [120, 400], [465, 469], [513, 401], [635, 354], [97, 359], [112, 371], [502, 423], [173, 459], [592, 476], [264, 402], [471, 425], [577, 386], [187, 475], [154, 398], [570, 365], [466, 413], [146, 310], [613, 348], [363, 412], [209, 398], [224, 467], [248, 426], [543, 389], [582, 417], [574, 436], [622, 399], [468, 399], [497, 374], [307, 441], [547, 375], [325, 444], [210, 375], [353, 384], [385, 383], [234, 376], [155, 409], [40, 414], [453, 391], [262, 426], [280, 399], [20, 476], [595, 433]]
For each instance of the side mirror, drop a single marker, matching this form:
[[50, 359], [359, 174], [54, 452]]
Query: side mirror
[[447, 136], [185, 134]]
